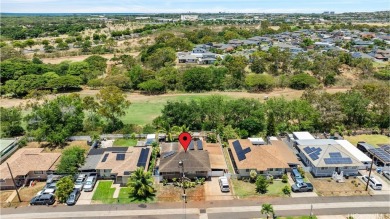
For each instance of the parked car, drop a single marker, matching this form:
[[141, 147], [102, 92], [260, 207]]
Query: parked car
[[46, 191], [79, 183], [45, 199], [89, 184], [296, 176], [302, 187], [386, 174], [374, 183], [224, 184], [73, 197]]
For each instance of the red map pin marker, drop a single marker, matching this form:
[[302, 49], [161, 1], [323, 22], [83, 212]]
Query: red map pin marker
[[185, 140]]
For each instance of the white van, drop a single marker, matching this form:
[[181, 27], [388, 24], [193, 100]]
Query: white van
[[224, 184], [375, 184]]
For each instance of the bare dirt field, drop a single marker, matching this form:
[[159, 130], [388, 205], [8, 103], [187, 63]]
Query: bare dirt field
[[375, 24], [4, 196], [169, 193], [327, 187], [49, 148], [26, 194], [78, 58], [136, 97]]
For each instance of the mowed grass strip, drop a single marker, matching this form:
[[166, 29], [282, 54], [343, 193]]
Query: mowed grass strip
[[124, 198], [125, 142], [246, 189], [373, 140]]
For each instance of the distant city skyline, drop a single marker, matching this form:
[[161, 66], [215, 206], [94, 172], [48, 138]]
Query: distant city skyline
[[196, 6]]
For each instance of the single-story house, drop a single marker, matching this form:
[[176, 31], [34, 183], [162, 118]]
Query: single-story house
[[196, 161], [275, 158], [217, 159], [7, 147], [27, 164], [364, 159], [326, 156], [188, 58], [118, 164]]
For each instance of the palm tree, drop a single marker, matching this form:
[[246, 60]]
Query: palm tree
[[267, 209], [141, 184]]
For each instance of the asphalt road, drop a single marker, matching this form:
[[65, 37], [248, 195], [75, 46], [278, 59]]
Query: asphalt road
[[214, 209]]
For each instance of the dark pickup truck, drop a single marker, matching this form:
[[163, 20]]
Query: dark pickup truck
[[302, 187]]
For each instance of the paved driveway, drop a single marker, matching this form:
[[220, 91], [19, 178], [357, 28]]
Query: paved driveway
[[86, 197], [213, 192], [299, 194], [385, 182]]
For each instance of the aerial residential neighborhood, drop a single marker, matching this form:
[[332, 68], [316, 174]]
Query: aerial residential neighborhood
[[195, 109]]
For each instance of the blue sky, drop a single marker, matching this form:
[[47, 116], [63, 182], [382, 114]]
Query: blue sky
[[183, 6]]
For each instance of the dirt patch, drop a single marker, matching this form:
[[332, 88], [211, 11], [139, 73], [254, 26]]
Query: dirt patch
[[170, 193], [55, 149], [374, 24], [26, 194], [327, 187], [4, 196]]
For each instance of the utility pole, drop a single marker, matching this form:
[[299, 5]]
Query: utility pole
[[369, 174], [13, 180], [181, 165]]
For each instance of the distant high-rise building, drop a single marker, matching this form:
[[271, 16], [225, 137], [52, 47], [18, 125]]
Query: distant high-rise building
[[332, 12], [326, 12]]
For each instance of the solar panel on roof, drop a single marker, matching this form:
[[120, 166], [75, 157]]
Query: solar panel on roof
[[241, 156], [168, 154], [191, 147], [239, 151], [307, 150], [120, 157], [105, 158], [313, 156], [200, 144], [381, 154], [143, 157], [335, 154], [386, 148]]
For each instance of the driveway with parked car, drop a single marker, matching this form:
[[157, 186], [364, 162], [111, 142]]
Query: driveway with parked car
[[213, 190], [86, 197]]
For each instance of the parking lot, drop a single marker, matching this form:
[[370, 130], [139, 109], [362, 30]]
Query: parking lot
[[213, 192]]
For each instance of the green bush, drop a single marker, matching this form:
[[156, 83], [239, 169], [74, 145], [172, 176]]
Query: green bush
[[383, 74], [286, 190], [284, 178], [302, 81]]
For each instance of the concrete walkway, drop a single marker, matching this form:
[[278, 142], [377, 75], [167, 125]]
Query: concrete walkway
[[196, 211], [11, 197], [117, 189]]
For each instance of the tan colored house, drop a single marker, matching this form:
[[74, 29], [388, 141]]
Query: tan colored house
[[274, 159], [119, 165], [27, 164], [217, 160]]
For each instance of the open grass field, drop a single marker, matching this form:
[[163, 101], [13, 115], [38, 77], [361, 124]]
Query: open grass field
[[125, 142], [374, 140], [299, 217], [248, 190]]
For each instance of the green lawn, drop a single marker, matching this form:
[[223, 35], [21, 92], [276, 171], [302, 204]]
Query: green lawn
[[370, 139], [246, 189], [142, 112], [125, 142], [298, 217], [104, 192]]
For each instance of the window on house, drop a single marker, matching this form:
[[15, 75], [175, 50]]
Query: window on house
[[2, 180], [271, 169], [278, 169], [38, 172], [247, 170], [346, 168], [261, 172], [107, 171]]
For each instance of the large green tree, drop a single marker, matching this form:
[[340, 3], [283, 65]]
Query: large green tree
[[112, 105], [71, 160], [55, 120], [197, 79], [261, 185], [64, 188], [11, 122]]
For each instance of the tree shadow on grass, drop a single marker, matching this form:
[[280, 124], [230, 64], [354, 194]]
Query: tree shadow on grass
[[141, 200]]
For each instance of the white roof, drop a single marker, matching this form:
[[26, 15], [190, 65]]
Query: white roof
[[354, 151], [151, 136], [273, 138], [303, 135], [257, 140]]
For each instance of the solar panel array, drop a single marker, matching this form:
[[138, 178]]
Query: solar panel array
[[120, 157], [338, 160], [191, 147], [335, 154], [168, 154], [200, 144], [386, 148], [105, 158], [313, 152], [381, 154], [143, 157], [239, 151]]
